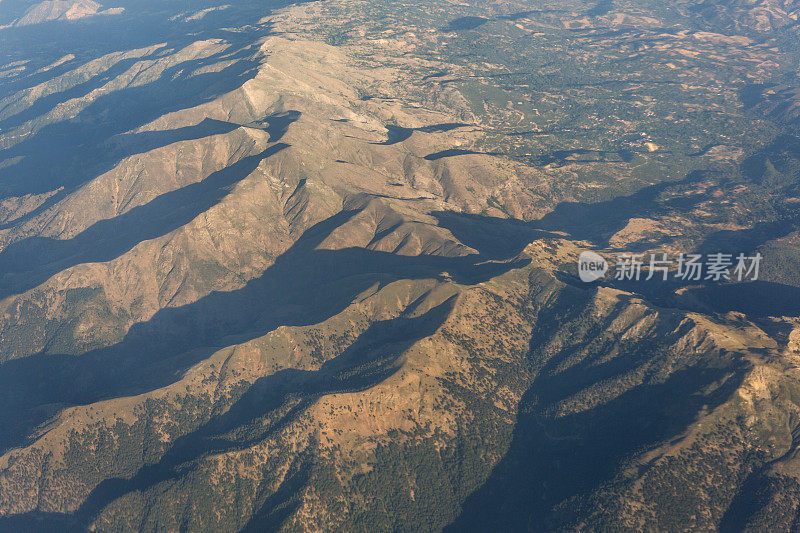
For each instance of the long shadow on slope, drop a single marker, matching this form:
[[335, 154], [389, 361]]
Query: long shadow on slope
[[76, 150], [756, 298], [556, 460], [397, 134], [143, 23], [45, 104], [283, 502], [601, 8], [119, 147], [594, 222], [749, 239], [500, 237], [28, 263], [305, 285], [465, 23], [584, 155], [368, 361], [767, 500], [775, 165], [597, 222], [128, 144], [453, 152]]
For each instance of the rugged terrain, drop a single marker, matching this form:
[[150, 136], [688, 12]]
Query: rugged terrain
[[312, 266]]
